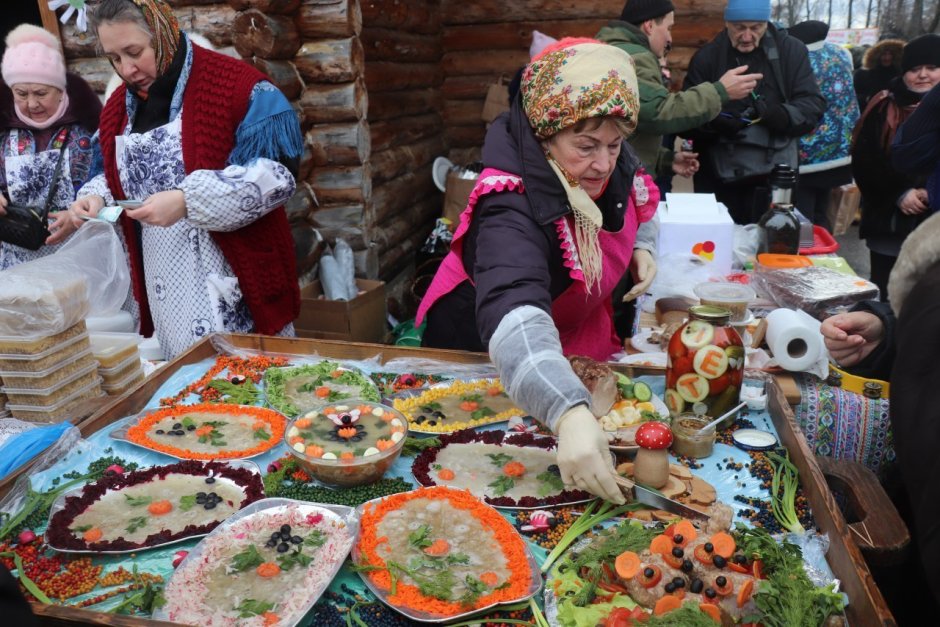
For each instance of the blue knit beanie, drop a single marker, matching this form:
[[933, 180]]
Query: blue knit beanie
[[747, 11]]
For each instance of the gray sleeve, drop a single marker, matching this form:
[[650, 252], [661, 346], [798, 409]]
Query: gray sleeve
[[536, 375], [647, 235]]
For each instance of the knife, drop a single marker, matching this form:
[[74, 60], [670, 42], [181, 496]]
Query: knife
[[656, 500]]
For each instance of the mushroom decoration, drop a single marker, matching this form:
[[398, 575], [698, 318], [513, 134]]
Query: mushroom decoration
[[651, 466]]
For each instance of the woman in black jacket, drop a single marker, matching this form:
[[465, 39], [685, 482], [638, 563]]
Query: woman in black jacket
[[895, 201]]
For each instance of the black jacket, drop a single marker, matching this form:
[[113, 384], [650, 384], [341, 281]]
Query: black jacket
[[804, 103], [511, 250], [880, 183]]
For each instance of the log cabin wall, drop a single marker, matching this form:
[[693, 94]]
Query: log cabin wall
[[484, 39]]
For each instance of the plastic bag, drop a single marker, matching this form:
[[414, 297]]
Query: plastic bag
[[745, 243], [88, 274], [337, 273], [813, 289], [677, 274]]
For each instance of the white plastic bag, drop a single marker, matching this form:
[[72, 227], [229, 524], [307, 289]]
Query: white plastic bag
[[677, 274]]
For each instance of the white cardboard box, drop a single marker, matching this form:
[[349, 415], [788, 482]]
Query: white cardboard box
[[696, 224]]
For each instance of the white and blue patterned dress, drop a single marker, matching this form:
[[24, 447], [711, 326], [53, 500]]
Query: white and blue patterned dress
[[191, 288]]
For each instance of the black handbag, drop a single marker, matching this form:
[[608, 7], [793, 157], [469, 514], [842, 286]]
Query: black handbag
[[28, 227]]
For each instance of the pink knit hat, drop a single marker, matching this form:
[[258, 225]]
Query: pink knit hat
[[33, 55]]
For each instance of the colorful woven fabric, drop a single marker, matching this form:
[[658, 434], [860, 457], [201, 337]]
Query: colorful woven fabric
[[577, 82], [844, 425], [828, 145], [165, 29]]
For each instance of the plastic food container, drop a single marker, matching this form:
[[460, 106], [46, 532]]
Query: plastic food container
[[689, 439], [48, 378], [45, 359], [348, 462], [114, 349], [734, 297], [62, 410], [50, 396], [38, 344], [771, 261], [116, 389], [115, 375]]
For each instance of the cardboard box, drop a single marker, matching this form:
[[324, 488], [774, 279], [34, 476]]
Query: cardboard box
[[361, 319], [696, 224], [456, 197]]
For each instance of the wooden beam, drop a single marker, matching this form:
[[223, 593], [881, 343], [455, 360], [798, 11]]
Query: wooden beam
[[465, 136], [384, 105], [278, 7], [330, 60], [214, 22], [347, 143], [384, 76], [413, 16], [384, 44], [95, 70], [346, 102], [342, 184], [403, 131], [283, 75], [393, 197], [463, 112], [497, 11], [475, 62], [49, 20], [265, 36], [398, 160], [331, 19]]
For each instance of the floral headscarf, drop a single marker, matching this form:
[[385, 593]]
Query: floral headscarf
[[575, 80], [166, 31], [570, 81]]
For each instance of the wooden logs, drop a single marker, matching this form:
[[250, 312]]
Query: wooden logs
[[301, 204], [385, 76], [396, 45], [463, 112], [466, 136], [497, 11], [214, 22], [393, 197], [404, 131], [467, 87], [283, 75], [413, 16], [96, 71], [340, 144], [398, 160], [384, 105], [489, 62], [342, 184], [267, 36], [278, 7], [515, 35], [399, 227], [346, 102], [337, 216], [77, 44], [330, 60], [329, 19]]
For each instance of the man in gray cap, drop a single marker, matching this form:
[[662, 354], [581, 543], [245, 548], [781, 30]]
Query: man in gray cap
[[644, 32]]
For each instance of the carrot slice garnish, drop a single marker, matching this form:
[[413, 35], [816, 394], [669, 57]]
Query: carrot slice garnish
[[627, 565], [724, 544], [712, 610], [667, 604]]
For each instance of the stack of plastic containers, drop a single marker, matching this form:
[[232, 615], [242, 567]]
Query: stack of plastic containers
[[45, 377], [118, 359]]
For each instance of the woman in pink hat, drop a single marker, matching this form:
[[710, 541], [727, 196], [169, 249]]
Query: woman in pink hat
[[42, 110]]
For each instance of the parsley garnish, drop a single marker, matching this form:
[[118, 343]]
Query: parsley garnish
[[81, 528], [499, 459], [287, 560], [250, 607], [481, 413], [420, 537], [135, 523], [261, 434], [187, 422], [187, 502], [502, 485], [249, 558], [550, 482], [475, 589], [137, 501], [315, 539]]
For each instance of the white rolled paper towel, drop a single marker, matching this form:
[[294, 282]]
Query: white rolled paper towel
[[796, 342]]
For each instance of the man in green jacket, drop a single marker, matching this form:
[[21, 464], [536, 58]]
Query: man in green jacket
[[644, 31]]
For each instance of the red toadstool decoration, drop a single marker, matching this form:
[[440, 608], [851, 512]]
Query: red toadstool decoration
[[651, 466]]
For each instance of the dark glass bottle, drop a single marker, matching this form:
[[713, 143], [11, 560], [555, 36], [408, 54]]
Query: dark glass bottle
[[779, 227]]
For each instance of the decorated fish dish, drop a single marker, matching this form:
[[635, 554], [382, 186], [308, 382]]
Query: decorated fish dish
[[437, 553], [457, 405], [266, 566], [151, 507], [503, 470], [299, 389], [207, 431]]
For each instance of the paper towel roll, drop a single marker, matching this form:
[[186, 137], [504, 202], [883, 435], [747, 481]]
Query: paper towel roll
[[795, 341]]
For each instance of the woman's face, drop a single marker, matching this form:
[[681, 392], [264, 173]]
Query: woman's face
[[922, 78], [36, 101], [588, 156], [129, 50]]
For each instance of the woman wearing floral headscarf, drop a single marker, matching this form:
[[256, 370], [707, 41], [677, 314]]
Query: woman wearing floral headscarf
[[549, 230], [209, 146]]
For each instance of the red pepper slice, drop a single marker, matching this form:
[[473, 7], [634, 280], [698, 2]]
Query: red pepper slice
[[649, 582]]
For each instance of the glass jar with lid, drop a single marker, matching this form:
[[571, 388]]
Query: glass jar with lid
[[705, 364], [689, 438]]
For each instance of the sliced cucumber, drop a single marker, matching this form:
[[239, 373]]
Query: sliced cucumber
[[642, 392], [625, 385]]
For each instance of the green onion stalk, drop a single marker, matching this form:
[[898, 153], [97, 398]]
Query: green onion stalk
[[28, 583], [591, 517], [36, 502], [783, 489]]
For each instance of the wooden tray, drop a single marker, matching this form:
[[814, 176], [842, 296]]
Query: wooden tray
[[866, 607]]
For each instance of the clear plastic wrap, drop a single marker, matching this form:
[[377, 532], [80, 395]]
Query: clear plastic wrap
[[88, 274], [813, 289]]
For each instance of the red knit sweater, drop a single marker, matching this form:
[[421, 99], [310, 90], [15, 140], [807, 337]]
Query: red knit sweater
[[261, 254]]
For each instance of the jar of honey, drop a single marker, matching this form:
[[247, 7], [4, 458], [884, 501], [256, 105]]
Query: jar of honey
[[705, 364]]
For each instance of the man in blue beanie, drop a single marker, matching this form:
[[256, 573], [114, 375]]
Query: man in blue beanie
[[750, 135]]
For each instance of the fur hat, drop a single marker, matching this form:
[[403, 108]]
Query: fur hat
[[33, 55], [638, 11], [747, 11], [923, 50], [810, 31]]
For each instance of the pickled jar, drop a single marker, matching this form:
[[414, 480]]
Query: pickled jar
[[704, 364], [689, 439]]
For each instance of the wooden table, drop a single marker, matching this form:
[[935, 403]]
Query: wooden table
[[866, 607]]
